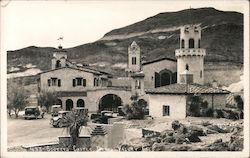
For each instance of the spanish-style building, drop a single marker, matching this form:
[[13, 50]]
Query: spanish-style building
[[165, 83]]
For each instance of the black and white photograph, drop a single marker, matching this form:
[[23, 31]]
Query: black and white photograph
[[123, 78]]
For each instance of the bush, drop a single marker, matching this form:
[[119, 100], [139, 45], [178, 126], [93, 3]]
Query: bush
[[176, 125], [239, 102], [218, 113], [209, 112], [136, 110]]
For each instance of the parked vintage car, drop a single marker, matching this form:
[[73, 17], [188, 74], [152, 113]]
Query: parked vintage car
[[55, 109], [103, 118], [32, 112], [59, 120]]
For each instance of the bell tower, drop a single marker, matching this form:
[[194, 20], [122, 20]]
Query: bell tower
[[59, 58], [134, 59], [190, 56]]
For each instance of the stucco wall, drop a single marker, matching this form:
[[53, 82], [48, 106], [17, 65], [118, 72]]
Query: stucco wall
[[177, 105], [195, 64], [94, 96], [66, 75], [150, 69]]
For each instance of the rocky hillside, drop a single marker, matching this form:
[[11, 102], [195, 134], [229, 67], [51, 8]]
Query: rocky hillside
[[158, 36]]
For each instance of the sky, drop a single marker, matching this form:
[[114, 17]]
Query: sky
[[41, 23]]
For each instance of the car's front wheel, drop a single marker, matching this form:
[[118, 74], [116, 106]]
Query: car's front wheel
[[60, 125]]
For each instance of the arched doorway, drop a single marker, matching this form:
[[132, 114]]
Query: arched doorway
[[110, 102], [69, 105], [80, 103], [163, 78]]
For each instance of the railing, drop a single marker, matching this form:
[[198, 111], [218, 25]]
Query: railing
[[190, 52]]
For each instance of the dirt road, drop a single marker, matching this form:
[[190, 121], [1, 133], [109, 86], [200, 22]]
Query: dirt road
[[26, 132]]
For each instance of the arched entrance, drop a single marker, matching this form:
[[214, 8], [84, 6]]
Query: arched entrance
[[69, 105], [163, 78], [80, 103], [110, 102]]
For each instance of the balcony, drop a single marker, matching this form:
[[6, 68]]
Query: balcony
[[190, 52]]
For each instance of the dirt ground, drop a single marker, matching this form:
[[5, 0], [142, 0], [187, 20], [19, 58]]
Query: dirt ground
[[27, 132], [30, 132]]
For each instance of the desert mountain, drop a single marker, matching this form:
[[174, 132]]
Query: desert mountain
[[158, 36]]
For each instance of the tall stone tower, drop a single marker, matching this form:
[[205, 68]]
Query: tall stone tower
[[190, 56], [59, 58], [134, 59]]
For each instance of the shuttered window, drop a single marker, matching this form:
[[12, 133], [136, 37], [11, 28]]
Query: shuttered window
[[49, 82], [59, 83], [84, 82]]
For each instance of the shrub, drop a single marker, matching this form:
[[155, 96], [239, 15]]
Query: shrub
[[16, 98], [239, 102], [47, 99], [136, 110], [218, 113], [209, 112]]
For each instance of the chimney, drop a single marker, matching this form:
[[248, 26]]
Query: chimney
[[186, 77]]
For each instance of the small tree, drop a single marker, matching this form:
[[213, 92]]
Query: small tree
[[136, 110], [47, 99], [75, 120], [240, 105], [194, 107], [17, 98], [239, 102]]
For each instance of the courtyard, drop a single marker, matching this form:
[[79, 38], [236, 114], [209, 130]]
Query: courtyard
[[33, 132]]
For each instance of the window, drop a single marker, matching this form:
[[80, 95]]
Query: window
[[58, 63], [166, 110], [138, 84], [49, 82], [201, 74], [53, 81], [182, 43], [133, 60], [187, 67], [79, 81], [199, 43], [191, 43], [74, 82]]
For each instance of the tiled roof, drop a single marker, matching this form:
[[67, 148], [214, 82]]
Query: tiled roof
[[159, 59], [186, 89]]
